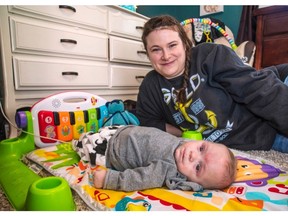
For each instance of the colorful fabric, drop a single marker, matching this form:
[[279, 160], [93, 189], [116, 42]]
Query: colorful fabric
[[260, 186], [91, 146]]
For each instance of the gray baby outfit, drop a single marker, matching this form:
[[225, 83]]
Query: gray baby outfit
[[140, 158]]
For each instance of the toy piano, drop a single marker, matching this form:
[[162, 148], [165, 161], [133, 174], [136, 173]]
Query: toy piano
[[56, 119], [63, 117]]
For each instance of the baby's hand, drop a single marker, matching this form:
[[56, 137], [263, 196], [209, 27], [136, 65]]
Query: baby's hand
[[99, 177]]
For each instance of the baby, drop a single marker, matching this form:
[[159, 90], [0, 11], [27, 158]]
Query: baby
[[141, 158]]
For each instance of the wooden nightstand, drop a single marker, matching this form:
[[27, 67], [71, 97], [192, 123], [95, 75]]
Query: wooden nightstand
[[271, 36]]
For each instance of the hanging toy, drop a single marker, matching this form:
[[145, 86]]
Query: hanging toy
[[209, 22]]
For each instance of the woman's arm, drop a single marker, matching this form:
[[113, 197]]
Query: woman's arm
[[149, 108], [173, 130], [262, 92]]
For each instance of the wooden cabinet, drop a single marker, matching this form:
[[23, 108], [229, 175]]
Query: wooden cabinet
[[51, 49], [129, 51], [45, 38], [84, 16], [43, 73], [271, 36]]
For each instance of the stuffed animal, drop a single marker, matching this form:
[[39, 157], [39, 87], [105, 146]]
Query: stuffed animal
[[117, 115]]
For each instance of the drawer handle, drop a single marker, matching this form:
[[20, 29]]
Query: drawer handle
[[67, 7], [68, 41], [139, 27], [139, 77], [141, 52], [71, 73]]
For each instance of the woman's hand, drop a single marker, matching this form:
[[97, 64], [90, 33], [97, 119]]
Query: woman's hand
[[99, 177], [173, 130]]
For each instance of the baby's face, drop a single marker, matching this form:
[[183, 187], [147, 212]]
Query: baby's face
[[204, 162]]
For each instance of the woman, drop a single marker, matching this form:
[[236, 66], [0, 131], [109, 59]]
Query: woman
[[208, 89]]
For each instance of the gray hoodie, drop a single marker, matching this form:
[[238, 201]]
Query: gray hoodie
[[143, 157]]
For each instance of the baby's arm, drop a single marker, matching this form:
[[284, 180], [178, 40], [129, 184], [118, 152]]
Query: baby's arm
[[139, 178], [99, 177]]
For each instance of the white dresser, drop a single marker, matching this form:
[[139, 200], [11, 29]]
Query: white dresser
[[51, 49]]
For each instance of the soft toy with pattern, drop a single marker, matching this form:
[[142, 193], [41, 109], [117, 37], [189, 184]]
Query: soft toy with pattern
[[117, 115]]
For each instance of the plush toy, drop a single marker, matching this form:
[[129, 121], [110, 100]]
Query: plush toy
[[117, 115]]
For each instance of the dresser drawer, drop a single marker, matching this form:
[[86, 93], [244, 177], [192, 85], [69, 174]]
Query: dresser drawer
[[273, 52], [34, 72], [40, 36], [124, 24], [128, 51], [128, 76], [91, 16], [275, 24]]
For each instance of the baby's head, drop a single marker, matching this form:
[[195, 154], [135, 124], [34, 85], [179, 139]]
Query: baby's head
[[211, 165]]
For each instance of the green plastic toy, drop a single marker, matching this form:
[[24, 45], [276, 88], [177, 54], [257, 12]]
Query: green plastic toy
[[193, 135], [15, 176], [50, 194]]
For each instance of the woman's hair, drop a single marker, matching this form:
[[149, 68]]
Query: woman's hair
[[169, 22]]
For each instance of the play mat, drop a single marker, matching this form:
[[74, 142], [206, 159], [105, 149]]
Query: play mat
[[260, 186]]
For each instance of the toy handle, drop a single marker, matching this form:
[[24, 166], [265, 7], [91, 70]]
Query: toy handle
[[74, 98], [71, 100], [21, 119]]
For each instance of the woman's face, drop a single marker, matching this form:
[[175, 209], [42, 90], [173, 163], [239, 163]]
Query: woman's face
[[166, 52]]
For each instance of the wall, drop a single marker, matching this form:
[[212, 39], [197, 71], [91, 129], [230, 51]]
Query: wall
[[231, 15]]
